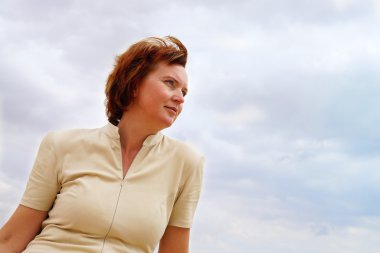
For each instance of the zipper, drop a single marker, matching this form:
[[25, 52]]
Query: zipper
[[141, 152], [113, 217]]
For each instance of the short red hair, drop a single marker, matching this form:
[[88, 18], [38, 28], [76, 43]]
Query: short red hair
[[134, 65]]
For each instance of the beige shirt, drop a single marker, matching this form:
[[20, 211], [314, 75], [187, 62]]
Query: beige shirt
[[78, 178]]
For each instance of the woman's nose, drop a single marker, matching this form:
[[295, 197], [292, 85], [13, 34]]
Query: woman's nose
[[178, 97]]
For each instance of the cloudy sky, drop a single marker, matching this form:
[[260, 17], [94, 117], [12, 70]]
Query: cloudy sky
[[284, 102]]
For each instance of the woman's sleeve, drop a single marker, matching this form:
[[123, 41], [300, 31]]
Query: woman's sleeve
[[187, 200], [43, 186]]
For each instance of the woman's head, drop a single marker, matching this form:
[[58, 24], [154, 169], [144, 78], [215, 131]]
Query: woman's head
[[134, 65]]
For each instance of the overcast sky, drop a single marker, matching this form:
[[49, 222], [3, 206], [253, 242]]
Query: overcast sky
[[284, 100]]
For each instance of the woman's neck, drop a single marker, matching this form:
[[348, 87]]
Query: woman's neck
[[133, 132]]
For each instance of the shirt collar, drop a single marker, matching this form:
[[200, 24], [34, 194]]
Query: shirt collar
[[112, 131]]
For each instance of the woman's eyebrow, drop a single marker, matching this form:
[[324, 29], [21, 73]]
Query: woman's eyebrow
[[171, 77], [174, 79]]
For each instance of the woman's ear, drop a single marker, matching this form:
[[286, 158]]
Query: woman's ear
[[135, 92]]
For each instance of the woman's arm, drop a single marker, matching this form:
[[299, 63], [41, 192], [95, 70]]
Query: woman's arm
[[175, 240], [21, 228]]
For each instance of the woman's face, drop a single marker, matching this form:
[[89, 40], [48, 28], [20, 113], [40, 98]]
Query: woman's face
[[160, 96]]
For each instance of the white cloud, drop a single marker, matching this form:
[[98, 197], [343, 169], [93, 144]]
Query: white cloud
[[376, 4], [283, 101], [246, 114], [1, 130], [10, 193], [342, 5], [232, 227]]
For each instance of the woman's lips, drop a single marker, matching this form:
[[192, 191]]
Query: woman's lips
[[174, 109]]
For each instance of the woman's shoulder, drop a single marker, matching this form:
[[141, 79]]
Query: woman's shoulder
[[188, 159], [183, 149], [65, 138], [70, 134]]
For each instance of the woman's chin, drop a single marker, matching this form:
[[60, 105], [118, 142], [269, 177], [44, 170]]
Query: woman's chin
[[167, 122]]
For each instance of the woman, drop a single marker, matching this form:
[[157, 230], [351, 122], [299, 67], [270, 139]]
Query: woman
[[124, 187]]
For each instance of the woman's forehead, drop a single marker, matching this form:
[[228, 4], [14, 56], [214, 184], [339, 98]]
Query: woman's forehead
[[176, 71]]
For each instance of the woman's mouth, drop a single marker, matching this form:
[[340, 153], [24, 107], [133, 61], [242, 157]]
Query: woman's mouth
[[172, 108]]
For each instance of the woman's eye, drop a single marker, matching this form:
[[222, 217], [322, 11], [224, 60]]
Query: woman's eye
[[169, 82], [184, 92]]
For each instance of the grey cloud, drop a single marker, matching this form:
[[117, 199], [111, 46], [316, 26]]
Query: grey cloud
[[283, 102]]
